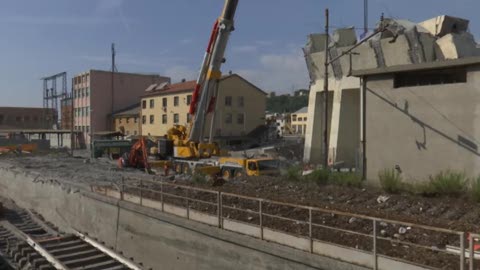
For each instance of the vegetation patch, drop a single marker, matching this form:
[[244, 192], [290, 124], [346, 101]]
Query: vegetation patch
[[391, 181]]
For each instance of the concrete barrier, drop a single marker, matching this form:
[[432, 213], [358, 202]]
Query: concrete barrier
[[168, 240]]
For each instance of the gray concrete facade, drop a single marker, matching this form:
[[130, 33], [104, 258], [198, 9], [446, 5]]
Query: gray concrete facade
[[403, 45], [423, 130]]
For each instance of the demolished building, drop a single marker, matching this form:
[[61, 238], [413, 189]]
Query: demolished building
[[418, 78]]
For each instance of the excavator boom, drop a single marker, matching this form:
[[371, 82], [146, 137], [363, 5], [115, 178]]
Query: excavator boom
[[203, 98]]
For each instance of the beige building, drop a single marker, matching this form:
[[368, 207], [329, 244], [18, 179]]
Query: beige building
[[298, 121], [127, 120], [240, 107]]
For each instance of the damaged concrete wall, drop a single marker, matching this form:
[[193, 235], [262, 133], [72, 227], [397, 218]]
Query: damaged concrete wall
[[403, 43]]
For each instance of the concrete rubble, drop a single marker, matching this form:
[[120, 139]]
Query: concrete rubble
[[402, 43]]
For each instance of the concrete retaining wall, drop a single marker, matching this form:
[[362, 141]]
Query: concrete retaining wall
[[159, 240], [176, 238]]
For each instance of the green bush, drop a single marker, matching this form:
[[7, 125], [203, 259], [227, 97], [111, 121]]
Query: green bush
[[475, 189], [390, 181], [349, 179], [447, 183], [294, 173], [320, 176]]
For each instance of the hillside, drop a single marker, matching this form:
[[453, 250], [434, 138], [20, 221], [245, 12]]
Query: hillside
[[284, 103]]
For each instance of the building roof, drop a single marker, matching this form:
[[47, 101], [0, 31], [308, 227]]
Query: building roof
[[130, 110], [302, 110], [468, 61], [188, 86], [161, 89], [35, 131], [25, 108], [125, 73]]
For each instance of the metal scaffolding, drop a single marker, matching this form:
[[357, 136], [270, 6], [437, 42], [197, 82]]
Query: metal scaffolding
[[51, 96]]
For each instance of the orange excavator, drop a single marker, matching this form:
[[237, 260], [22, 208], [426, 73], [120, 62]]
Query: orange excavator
[[137, 157]]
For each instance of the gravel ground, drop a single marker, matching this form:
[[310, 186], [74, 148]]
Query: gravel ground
[[452, 213]]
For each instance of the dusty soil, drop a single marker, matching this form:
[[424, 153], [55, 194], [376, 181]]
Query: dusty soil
[[459, 214], [452, 213]]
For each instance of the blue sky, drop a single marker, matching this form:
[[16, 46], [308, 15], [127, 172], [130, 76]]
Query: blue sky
[[168, 37]]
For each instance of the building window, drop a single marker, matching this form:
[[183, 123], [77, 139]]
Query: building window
[[134, 132], [228, 101], [294, 117], [240, 101], [164, 119], [240, 118], [189, 117], [152, 103], [119, 120], [228, 118], [152, 119], [135, 120], [1, 118], [430, 77], [35, 119], [175, 101], [87, 111], [144, 104], [144, 119], [164, 102], [175, 118], [87, 91], [26, 118], [88, 129], [128, 120], [189, 99], [304, 118]]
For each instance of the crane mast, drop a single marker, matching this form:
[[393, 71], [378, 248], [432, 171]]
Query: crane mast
[[204, 94]]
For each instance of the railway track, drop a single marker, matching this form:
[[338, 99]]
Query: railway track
[[28, 242]]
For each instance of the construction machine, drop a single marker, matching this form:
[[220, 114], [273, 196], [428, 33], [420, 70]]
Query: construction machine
[[189, 149], [137, 157]]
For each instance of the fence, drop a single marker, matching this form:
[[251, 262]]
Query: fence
[[369, 241]]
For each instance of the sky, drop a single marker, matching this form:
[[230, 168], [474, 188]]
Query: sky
[[168, 37]]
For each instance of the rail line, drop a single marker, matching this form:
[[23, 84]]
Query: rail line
[[28, 242]]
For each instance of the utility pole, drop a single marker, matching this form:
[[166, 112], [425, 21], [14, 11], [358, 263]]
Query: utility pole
[[325, 92], [365, 17], [92, 152], [110, 123], [72, 121]]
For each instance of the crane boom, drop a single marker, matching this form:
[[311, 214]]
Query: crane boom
[[203, 98]]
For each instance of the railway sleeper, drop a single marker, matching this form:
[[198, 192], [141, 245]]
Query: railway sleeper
[[85, 261]]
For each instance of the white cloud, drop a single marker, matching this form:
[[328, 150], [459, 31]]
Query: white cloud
[[279, 72], [107, 6], [244, 49], [186, 41]]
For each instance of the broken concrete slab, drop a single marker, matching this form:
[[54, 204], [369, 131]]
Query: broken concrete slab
[[443, 25]]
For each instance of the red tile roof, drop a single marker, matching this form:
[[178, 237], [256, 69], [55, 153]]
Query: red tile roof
[[171, 88]]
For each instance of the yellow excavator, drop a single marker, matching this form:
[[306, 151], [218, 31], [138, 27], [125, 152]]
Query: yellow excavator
[[191, 148]]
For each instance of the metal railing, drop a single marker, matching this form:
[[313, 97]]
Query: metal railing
[[260, 213]]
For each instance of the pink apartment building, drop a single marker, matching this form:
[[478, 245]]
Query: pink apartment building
[[94, 102]]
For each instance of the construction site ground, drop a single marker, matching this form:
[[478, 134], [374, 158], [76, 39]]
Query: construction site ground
[[444, 212]]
